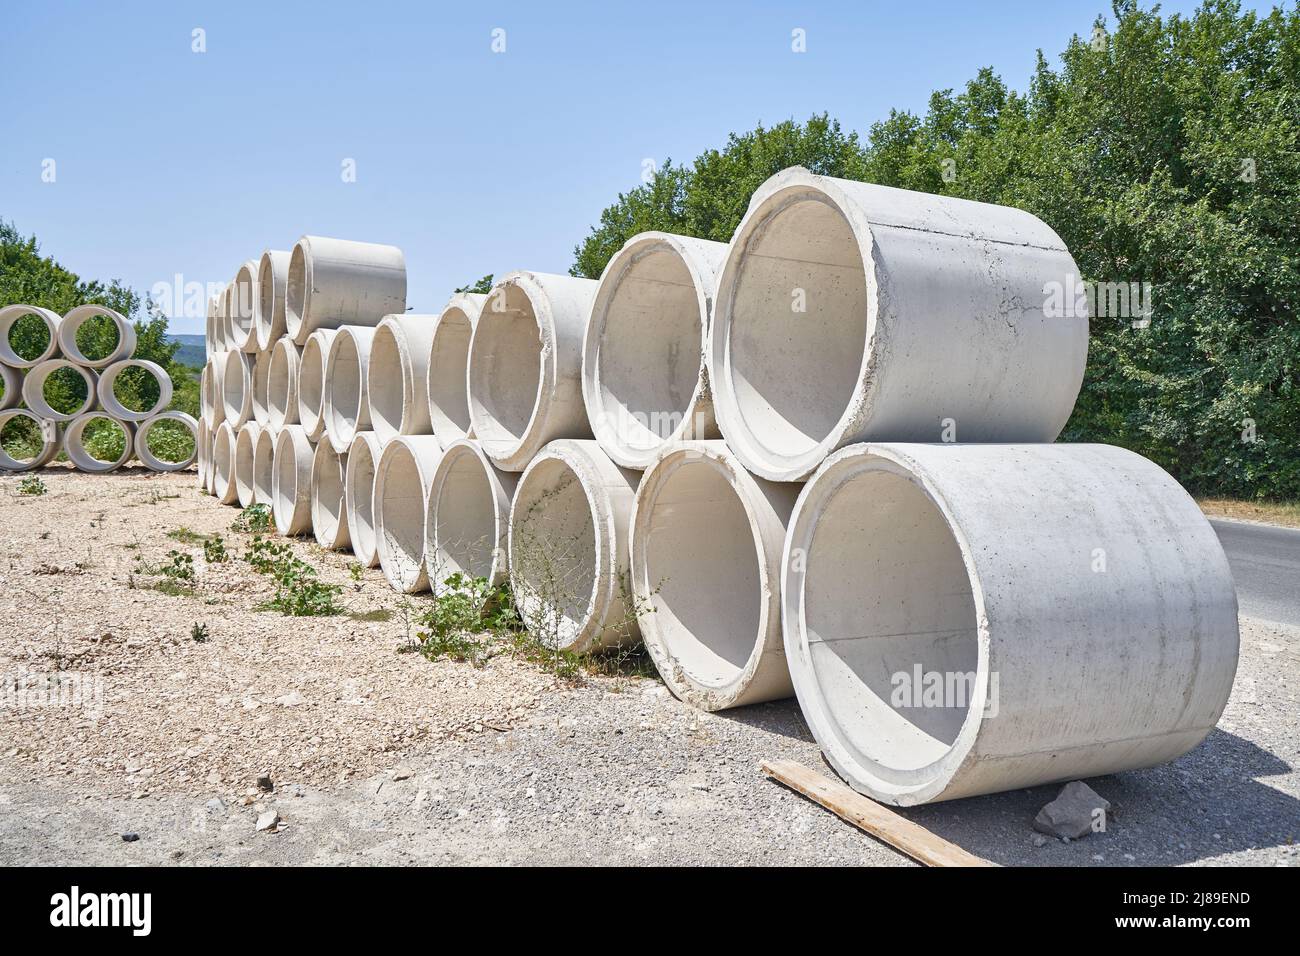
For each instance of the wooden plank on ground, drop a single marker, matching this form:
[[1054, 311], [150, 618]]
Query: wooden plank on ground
[[881, 822]]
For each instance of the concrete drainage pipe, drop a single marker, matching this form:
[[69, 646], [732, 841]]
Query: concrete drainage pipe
[[209, 328], [359, 497], [223, 464], [246, 463], [965, 619], [311, 383], [9, 316], [74, 320], [81, 457], [403, 476], [655, 299], [264, 468], [154, 462], [268, 307], [282, 384], [210, 486], [213, 412], [347, 395], [706, 540], [261, 381], [525, 366], [333, 282], [237, 388], [34, 389], [51, 442], [329, 514], [397, 376], [203, 452], [848, 312], [568, 548], [448, 364], [467, 520], [11, 380], [108, 398], [244, 304], [291, 481]]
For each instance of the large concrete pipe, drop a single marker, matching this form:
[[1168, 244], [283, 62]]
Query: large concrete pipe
[[210, 486], [467, 520], [311, 383], [80, 456], [34, 389], [237, 388], [11, 381], [333, 282], [706, 540], [210, 343], [347, 396], [9, 316], [568, 548], [359, 497], [51, 441], [223, 464], [282, 384], [643, 370], [203, 454], [75, 319], [403, 476], [245, 301], [964, 619], [246, 463], [205, 399], [261, 383], [329, 512], [108, 398], [448, 366], [210, 383], [525, 366], [291, 481], [145, 453], [848, 312], [264, 467], [398, 374], [268, 307], [225, 318]]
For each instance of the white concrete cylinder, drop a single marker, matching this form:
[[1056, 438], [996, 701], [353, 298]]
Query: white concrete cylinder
[[261, 383], [210, 485], [223, 464], [329, 513], [203, 454], [152, 461], [333, 282], [965, 619], [403, 476], [210, 390], [210, 343], [264, 467], [568, 548], [9, 316], [82, 314], [848, 311], [225, 318], [108, 399], [34, 389], [311, 383], [282, 384], [397, 376], [246, 463], [268, 308], [291, 481], [245, 301], [347, 395], [359, 497], [11, 379], [448, 368], [706, 541], [525, 366], [51, 440], [643, 366], [467, 520], [237, 388], [81, 458]]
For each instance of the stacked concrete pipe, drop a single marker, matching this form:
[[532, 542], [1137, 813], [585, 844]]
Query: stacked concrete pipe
[[51, 442], [291, 481], [311, 383], [246, 462], [268, 308], [264, 467], [245, 301], [334, 282], [223, 464], [403, 476], [359, 497], [467, 520], [329, 515], [448, 364], [346, 407], [398, 375], [282, 384], [145, 453]]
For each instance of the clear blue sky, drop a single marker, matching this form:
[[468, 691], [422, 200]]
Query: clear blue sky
[[472, 161]]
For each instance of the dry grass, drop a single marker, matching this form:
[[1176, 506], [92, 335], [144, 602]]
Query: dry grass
[[1282, 513]]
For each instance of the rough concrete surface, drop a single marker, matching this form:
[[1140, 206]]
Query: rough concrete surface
[[383, 757]]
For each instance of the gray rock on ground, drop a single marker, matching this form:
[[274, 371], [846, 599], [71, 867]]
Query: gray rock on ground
[[1074, 813]]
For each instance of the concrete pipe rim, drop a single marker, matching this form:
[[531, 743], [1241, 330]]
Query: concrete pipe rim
[[108, 399], [51, 441], [201, 454], [243, 316], [9, 316], [607, 394], [795, 435], [34, 389], [245, 462], [261, 376], [717, 672], [461, 456], [223, 463], [211, 408], [291, 481], [297, 292], [268, 307], [329, 516], [312, 381], [282, 384], [861, 758], [402, 476], [264, 467], [81, 458], [346, 386], [12, 380], [447, 382], [237, 388], [359, 497], [152, 461], [82, 314], [391, 358]]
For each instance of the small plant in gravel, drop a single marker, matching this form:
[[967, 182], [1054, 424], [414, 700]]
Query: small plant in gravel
[[214, 550], [199, 633], [255, 519], [187, 536], [354, 571], [463, 619], [298, 591], [179, 567], [31, 486]]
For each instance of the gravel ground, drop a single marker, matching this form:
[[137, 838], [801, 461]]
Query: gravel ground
[[383, 757]]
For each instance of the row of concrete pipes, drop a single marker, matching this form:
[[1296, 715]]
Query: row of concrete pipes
[[818, 460], [24, 383]]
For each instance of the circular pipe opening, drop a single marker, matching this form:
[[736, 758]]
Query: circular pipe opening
[[223, 464], [329, 518], [264, 467], [505, 369], [169, 441], [282, 384], [466, 518], [346, 405], [448, 361], [243, 316], [96, 336], [245, 463], [295, 292], [144, 383], [291, 481], [261, 376], [96, 443], [28, 335], [359, 488], [390, 389], [236, 388], [311, 383], [60, 390], [26, 442]]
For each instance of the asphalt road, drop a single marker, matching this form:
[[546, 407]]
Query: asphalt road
[[1265, 563]]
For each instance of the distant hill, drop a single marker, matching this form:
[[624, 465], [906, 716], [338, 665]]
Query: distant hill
[[193, 350]]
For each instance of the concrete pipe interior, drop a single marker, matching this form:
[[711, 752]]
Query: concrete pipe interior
[[60, 390], [359, 487], [223, 463], [168, 442], [236, 388], [295, 292], [25, 441], [463, 520], [246, 463], [28, 335], [11, 386], [347, 391], [311, 384], [96, 336], [448, 359], [329, 518], [264, 467], [291, 481], [388, 401], [887, 602], [96, 442], [401, 499], [134, 389], [282, 384], [794, 373], [505, 373], [243, 311]]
